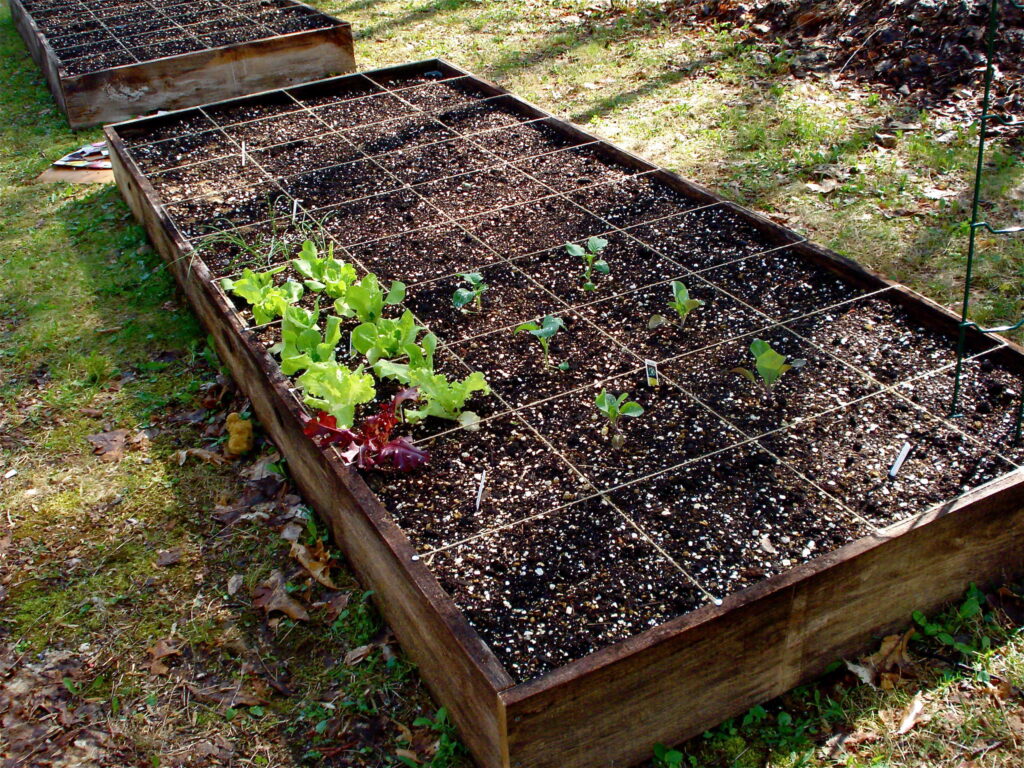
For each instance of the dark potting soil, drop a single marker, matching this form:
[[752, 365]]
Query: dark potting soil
[[338, 184], [530, 227], [558, 587], [823, 383], [431, 162], [673, 429], [309, 153], [519, 141], [738, 517], [276, 130], [631, 266], [523, 479], [208, 178], [251, 108], [184, 150], [181, 124], [424, 254], [632, 201], [375, 217], [878, 336], [444, 95], [515, 367], [511, 298], [246, 205], [990, 399], [265, 245], [350, 113], [393, 135], [321, 94], [500, 112], [568, 169], [850, 452], [703, 238], [479, 191], [626, 318]]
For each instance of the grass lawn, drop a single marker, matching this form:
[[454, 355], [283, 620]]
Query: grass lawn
[[100, 561]]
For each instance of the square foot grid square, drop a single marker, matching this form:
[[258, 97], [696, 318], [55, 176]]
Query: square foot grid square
[[555, 588]]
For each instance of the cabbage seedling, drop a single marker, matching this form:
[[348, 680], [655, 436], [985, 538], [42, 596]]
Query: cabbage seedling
[[463, 297], [614, 408], [681, 303], [769, 364], [591, 262], [544, 332]]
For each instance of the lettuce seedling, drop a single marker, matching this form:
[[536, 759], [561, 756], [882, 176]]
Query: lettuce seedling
[[333, 388], [769, 364], [327, 274], [591, 262], [371, 445], [268, 301], [366, 300], [302, 344], [681, 303], [419, 357], [614, 408], [386, 338], [544, 332], [463, 297], [446, 399]]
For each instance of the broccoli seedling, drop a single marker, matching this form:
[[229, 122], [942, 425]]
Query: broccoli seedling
[[769, 364], [473, 295], [681, 303], [544, 332], [614, 408], [591, 262]]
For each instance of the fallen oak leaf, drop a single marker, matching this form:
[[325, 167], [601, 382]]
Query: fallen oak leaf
[[161, 650], [337, 604], [315, 561], [272, 596], [109, 446]]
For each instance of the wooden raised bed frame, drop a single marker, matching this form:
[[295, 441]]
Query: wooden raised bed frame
[[188, 79], [668, 683]]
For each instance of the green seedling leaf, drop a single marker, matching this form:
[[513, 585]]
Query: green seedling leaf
[[613, 408], [302, 344], [268, 301], [769, 364], [602, 267], [333, 388], [681, 301], [472, 295], [575, 250], [544, 332]]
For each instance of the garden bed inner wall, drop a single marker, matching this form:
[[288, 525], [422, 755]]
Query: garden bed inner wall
[[369, 159], [112, 60]]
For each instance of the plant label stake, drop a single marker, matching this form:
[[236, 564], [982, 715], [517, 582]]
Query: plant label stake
[[651, 368], [295, 208], [904, 452], [243, 154], [480, 490]]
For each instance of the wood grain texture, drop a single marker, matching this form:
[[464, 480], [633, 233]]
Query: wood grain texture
[[455, 663], [670, 682], [190, 79]]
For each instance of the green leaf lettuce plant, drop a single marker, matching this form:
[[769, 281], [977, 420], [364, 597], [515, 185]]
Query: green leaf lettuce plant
[[268, 301]]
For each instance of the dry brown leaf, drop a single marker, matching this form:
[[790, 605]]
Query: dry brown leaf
[[109, 446], [913, 715], [199, 453], [240, 438], [271, 595], [357, 655], [822, 187], [314, 559], [168, 557], [407, 754], [234, 583], [229, 697], [160, 651], [337, 604]]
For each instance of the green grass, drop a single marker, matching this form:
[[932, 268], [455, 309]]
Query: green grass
[[91, 320]]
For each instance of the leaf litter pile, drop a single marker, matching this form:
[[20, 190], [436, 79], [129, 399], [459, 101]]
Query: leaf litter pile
[[262, 648]]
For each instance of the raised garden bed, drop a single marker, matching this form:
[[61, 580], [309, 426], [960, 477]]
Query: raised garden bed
[[110, 60], [571, 599]]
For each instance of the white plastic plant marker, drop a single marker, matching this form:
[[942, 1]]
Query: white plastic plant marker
[[904, 452]]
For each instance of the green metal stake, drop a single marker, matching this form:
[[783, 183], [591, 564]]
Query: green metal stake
[[965, 322]]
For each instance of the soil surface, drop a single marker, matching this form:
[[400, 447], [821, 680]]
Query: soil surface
[[556, 531], [135, 31]]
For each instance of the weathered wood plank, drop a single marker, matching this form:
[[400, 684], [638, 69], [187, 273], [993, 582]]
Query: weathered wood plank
[[185, 80]]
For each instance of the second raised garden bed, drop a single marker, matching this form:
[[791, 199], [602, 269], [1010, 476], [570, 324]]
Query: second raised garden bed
[[574, 589], [110, 60]]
